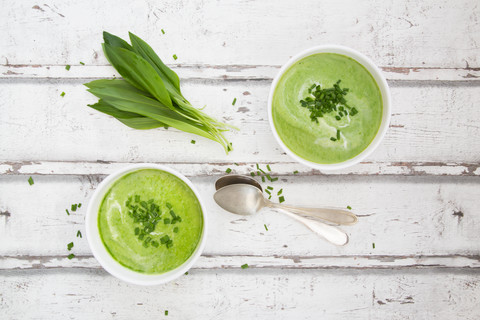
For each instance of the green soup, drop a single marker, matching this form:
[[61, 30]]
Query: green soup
[[121, 227], [310, 140]]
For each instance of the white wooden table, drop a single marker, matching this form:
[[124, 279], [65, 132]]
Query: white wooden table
[[417, 195]]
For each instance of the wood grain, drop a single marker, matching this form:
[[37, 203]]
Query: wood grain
[[402, 216], [438, 34], [226, 72], [249, 293], [430, 123]]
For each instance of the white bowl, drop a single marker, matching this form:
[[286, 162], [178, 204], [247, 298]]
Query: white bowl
[[101, 253], [381, 82]]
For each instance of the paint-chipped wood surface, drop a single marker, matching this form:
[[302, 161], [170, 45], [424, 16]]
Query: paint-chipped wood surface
[[415, 253]]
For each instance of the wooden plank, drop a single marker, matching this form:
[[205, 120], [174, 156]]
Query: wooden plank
[[218, 169], [402, 216], [226, 72], [392, 33], [231, 294], [264, 262], [427, 120]]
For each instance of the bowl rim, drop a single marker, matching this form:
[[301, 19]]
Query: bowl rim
[[379, 79], [104, 257]]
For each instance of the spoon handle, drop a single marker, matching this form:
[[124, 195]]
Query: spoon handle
[[330, 233], [334, 215]]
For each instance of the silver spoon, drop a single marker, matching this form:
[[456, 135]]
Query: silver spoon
[[333, 215], [246, 199]]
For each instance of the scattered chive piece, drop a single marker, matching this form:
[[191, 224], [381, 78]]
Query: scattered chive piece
[[263, 179], [338, 134], [234, 101], [175, 229], [333, 139], [166, 311], [79, 234], [265, 227], [163, 31], [70, 246], [82, 63], [270, 197], [74, 207], [270, 188], [30, 181], [281, 199], [274, 179], [268, 177], [268, 191], [62, 94], [244, 266], [258, 173], [235, 164], [166, 221], [193, 142], [175, 57], [79, 205], [71, 256], [228, 170], [268, 168], [252, 174], [169, 206], [295, 172], [373, 245], [279, 192], [258, 168], [67, 211], [349, 208], [67, 67], [186, 273]]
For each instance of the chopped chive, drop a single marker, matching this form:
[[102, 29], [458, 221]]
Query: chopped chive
[[338, 134], [79, 234], [169, 206], [270, 197], [30, 181], [193, 142], [228, 170], [252, 174], [79, 205], [166, 221], [175, 57], [373, 245], [258, 168], [263, 179], [186, 273], [235, 164], [349, 208], [281, 199], [67, 211], [279, 192], [244, 266], [67, 67], [82, 63], [70, 246], [62, 94], [295, 172], [270, 188], [234, 101], [71, 256], [333, 139], [265, 227], [268, 191], [163, 31], [166, 311], [268, 177], [258, 173], [137, 231], [74, 207], [268, 168], [175, 229], [274, 179], [155, 244]]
